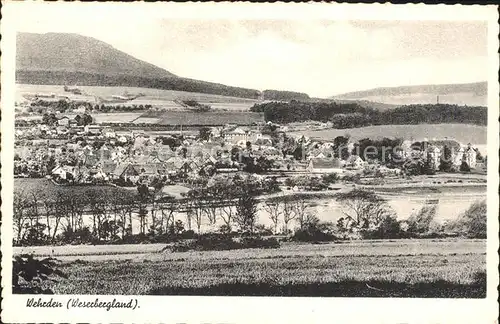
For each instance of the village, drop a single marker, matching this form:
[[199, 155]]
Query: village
[[76, 151]]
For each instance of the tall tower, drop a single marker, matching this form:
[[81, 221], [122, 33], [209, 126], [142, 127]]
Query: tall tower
[[437, 100]]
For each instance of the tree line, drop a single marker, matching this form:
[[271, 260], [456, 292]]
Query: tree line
[[284, 95], [63, 105], [351, 115], [41, 218], [234, 204], [167, 83]]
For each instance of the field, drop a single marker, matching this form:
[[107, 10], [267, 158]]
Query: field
[[123, 117], [401, 268], [232, 106], [151, 95], [461, 132], [197, 118], [170, 117], [157, 103], [227, 110]]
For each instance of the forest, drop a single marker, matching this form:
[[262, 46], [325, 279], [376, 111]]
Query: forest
[[284, 95], [349, 115]]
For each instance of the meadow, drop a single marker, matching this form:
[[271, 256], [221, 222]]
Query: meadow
[[47, 189], [399, 268], [463, 133]]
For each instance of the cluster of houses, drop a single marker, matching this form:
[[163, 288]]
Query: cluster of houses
[[433, 152], [98, 153]]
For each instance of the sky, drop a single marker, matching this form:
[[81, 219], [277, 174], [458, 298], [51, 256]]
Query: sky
[[320, 57]]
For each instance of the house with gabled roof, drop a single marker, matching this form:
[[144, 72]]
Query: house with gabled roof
[[63, 121], [316, 154], [119, 170], [355, 161], [142, 172], [108, 169], [470, 156], [434, 157], [62, 171], [91, 159]]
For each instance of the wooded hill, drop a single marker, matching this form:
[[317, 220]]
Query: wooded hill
[[61, 58], [350, 115]]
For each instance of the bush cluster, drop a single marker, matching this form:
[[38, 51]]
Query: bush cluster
[[220, 242], [312, 234], [31, 276]]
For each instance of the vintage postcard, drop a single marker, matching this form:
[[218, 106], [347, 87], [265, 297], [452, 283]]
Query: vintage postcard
[[239, 162]]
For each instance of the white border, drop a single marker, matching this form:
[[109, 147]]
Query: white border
[[251, 309]]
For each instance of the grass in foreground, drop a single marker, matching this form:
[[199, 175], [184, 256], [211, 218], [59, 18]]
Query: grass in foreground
[[257, 274], [348, 288]]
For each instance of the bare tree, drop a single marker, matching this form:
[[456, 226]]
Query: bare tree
[[126, 209], [420, 222], [195, 211], [225, 204], [212, 200], [75, 206], [363, 209], [98, 209], [48, 207], [300, 208], [20, 215], [275, 209], [167, 209], [59, 212], [289, 212], [155, 196], [246, 212]]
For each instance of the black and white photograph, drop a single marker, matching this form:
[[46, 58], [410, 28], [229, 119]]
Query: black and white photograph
[[242, 156]]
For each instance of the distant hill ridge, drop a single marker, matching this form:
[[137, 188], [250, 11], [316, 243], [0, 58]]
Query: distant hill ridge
[[477, 88], [77, 53], [72, 59], [62, 58]]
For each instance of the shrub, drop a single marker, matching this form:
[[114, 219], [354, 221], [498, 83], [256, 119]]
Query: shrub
[[388, 228], [35, 235], [220, 242], [207, 242], [314, 231], [311, 235], [464, 167], [259, 242], [472, 223], [29, 275], [420, 222], [80, 236], [262, 230], [189, 234]]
